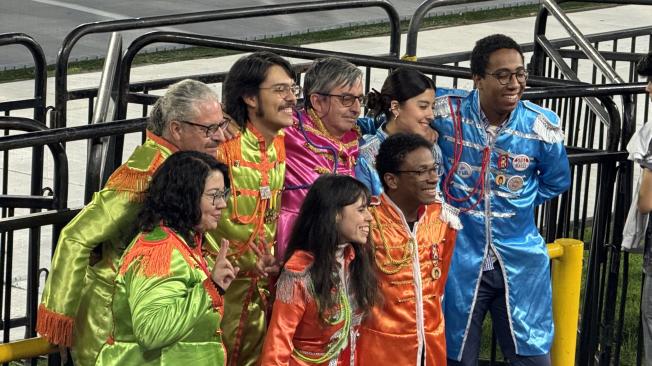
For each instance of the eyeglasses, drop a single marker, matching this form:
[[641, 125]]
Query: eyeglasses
[[284, 90], [423, 173], [212, 128], [505, 76], [347, 100], [224, 195]]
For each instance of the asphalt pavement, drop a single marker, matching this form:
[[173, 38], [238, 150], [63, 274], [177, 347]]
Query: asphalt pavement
[[49, 21]]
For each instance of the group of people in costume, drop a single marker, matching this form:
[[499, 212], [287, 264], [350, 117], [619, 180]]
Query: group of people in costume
[[286, 235]]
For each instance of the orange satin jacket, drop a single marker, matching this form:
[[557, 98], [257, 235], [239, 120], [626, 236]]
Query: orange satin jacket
[[410, 321], [295, 322]]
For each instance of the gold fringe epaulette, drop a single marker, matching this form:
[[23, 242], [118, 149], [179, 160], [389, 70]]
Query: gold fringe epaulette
[[133, 182]]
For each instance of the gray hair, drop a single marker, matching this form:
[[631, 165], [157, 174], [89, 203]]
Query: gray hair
[[179, 103], [326, 74]]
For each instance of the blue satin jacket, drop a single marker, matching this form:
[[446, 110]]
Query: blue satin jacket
[[526, 166], [365, 169]]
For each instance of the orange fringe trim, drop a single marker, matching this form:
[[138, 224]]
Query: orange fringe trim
[[55, 327], [131, 182], [155, 257]]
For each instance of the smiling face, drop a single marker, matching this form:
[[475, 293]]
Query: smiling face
[[415, 114], [354, 222], [338, 118], [498, 101], [194, 138], [271, 108], [211, 209], [417, 179]]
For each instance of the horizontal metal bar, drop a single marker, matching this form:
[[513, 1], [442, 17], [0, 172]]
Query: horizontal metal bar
[[22, 201], [598, 157], [13, 105], [71, 134], [14, 323], [58, 217]]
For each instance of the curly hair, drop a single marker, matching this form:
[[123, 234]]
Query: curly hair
[[393, 151], [174, 195], [244, 79], [488, 45], [402, 84], [644, 66], [314, 232]]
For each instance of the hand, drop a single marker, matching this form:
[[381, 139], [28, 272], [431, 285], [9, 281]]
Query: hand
[[267, 263], [431, 135], [223, 271]]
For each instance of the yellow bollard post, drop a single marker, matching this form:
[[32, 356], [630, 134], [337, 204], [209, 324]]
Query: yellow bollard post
[[566, 282], [25, 348]]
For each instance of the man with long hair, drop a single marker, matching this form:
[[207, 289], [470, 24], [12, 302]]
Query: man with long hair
[[413, 236], [187, 117], [260, 95], [324, 136]]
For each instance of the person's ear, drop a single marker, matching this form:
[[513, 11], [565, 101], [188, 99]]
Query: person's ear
[[250, 100], [175, 130], [391, 180], [393, 106]]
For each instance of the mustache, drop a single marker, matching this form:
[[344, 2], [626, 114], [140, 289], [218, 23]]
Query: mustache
[[292, 105]]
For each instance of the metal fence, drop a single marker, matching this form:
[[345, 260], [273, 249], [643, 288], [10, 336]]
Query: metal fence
[[592, 210]]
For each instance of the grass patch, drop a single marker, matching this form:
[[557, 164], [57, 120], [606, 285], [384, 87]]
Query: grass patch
[[631, 317], [361, 31]]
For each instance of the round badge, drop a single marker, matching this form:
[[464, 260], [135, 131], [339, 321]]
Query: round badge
[[521, 162], [436, 273], [464, 170], [500, 179], [515, 183]]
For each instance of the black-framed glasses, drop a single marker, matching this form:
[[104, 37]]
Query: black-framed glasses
[[505, 76], [224, 194], [212, 128], [422, 173], [347, 100], [284, 90]]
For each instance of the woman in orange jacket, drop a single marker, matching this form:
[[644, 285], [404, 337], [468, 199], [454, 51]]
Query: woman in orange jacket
[[328, 282]]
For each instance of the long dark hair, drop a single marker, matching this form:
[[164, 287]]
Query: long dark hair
[[173, 197], [315, 232], [402, 84]]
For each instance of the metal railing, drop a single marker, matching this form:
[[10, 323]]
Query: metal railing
[[62, 95]]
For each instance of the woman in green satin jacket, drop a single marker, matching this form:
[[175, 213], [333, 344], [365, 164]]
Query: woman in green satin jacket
[[167, 306]]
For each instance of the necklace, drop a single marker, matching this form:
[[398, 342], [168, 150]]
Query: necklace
[[392, 265]]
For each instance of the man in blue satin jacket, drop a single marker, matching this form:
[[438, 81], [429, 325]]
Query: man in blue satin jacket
[[502, 158]]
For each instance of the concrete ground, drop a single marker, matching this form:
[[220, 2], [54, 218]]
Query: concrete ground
[[431, 42]]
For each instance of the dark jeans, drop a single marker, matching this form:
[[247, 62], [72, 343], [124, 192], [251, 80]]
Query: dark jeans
[[491, 297]]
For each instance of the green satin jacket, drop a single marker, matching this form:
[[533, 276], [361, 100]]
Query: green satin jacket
[[256, 172], [166, 309]]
